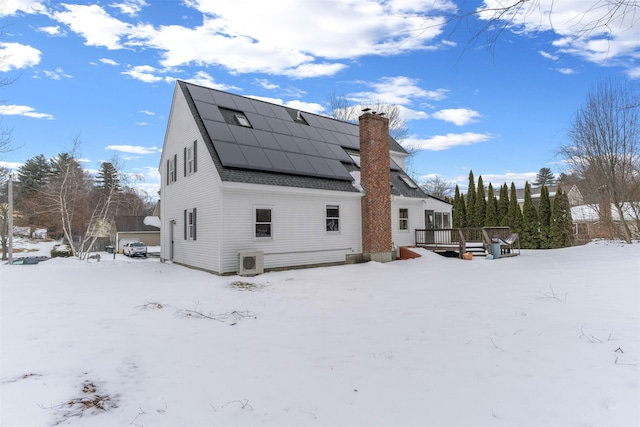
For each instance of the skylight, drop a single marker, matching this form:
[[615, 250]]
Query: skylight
[[408, 181]]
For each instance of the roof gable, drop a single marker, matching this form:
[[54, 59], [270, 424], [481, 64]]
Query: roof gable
[[257, 142]]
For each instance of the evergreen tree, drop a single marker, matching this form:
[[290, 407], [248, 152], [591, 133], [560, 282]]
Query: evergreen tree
[[561, 222], [33, 175], [544, 216], [458, 209], [544, 177], [491, 218], [530, 237], [471, 202], [107, 177], [503, 206], [514, 214], [480, 208]]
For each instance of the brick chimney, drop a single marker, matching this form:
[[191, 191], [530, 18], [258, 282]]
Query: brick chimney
[[377, 244]]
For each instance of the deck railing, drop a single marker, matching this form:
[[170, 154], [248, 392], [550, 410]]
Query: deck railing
[[457, 239]]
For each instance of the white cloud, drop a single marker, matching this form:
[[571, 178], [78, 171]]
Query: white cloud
[[56, 74], [52, 31], [12, 166], [264, 83], [17, 56], [108, 61], [588, 29], [130, 7], [23, 110], [548, 55], [311, 107], [295, 43], [203, 78], [94, 24], [445, 142], [12, 7], [497, 180], [398, 90], [144, 73], [566, 71], [457, 116], [314, 70], [148, 113], [133, 149]]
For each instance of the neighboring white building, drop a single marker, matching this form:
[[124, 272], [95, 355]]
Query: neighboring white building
[[243, 178]]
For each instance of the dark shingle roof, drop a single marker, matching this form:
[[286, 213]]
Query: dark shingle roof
[[282, 146]]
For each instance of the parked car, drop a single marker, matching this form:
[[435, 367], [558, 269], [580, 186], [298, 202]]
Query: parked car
[[31, 260], [135, 249]]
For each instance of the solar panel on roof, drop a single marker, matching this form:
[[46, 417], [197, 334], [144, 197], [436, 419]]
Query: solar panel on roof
[[321, 167], [258, 121], [209, 111], [243, 104], [280, 161], [295, 129], [244, 136], [223, 99], [323, 149], [200, 94], [256, 157], [287, 143], [230, 154], [339, 153], [219, 131], [266, 139], [301, 164], [280, 112], [305, 146], [263, 109], [339, 169], [312, 133], [277, 125]]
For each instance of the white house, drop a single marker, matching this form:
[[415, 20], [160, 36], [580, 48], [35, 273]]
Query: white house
[[248, 185]]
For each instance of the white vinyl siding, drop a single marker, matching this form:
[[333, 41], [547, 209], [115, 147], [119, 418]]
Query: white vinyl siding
[[415, 220], [299, 226], [201, 190]]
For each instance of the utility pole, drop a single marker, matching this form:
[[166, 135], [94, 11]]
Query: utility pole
[[10, 230]]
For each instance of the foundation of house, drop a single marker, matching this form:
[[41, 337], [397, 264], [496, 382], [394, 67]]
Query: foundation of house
[[378, 257]]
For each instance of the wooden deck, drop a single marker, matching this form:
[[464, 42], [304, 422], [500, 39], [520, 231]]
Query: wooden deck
[[478, 241]]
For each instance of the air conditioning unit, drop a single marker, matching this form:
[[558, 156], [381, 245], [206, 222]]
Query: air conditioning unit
[[251, 263]]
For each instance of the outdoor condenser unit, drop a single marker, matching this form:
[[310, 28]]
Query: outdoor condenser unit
[[251, 263]]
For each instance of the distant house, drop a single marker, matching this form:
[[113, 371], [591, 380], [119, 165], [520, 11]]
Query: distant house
[[249, 185], [144, 228], [603, 221], [572, 191]]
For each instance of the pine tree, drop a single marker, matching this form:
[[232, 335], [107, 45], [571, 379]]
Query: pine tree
[[544, 177], [480, 208], [503, 206], [514, 215], [544, 216], [491, 217], [471, 202], [530, 237], [33, 175], [107, 177], [561, 222], [458, 209]]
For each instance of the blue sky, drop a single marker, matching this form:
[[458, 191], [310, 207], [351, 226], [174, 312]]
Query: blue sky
[[105, 72]]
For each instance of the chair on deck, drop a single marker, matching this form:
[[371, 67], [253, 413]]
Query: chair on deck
[[506, 245]]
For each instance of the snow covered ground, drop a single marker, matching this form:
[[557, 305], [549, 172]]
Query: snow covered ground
[[549, 338]]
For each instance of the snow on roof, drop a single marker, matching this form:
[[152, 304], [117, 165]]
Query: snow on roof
[[153, 221]]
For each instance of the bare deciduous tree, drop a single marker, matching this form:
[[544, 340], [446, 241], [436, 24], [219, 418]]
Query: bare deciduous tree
[[591, 18], [342, 108], [438, 187], [604, 150]]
